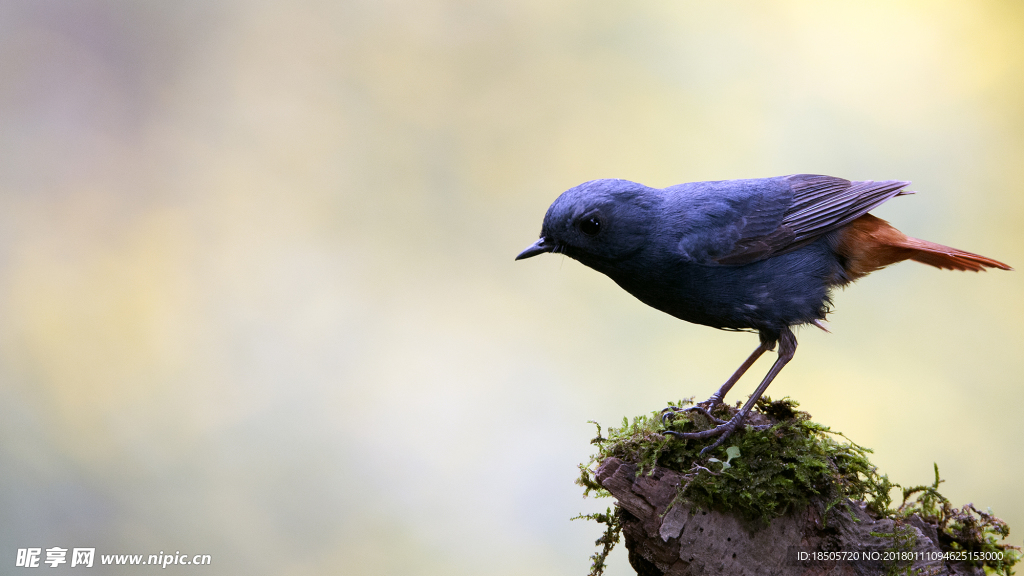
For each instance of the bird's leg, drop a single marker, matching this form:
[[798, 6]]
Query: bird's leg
[[718, 396], [708, 405], [787, 348]]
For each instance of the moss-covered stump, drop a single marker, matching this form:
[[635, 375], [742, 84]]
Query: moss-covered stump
[[784, 496]]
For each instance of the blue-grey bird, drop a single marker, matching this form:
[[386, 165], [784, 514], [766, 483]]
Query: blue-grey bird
[[758, 255]]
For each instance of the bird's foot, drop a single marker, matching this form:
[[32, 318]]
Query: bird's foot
[[669, 412], [723, 431], [704, 408]]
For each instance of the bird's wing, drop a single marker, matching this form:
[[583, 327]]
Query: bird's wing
[[819, 205]]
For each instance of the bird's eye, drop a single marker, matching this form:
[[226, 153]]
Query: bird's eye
[[591, 226]]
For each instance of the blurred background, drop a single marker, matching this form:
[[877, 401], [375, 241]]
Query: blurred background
[[257, 289]]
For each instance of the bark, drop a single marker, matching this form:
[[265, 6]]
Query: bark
[[677, 540]]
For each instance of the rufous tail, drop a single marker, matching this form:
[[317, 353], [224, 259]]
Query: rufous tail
[[870, 243]]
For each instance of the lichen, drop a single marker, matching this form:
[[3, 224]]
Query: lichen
[[785, 462]]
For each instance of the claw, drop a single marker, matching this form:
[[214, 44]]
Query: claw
[[704, 408], [668, 414], [723, 431], [717, 443], [706, 412]]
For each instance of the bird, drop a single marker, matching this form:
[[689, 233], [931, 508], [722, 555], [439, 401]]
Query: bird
[[758, 255]]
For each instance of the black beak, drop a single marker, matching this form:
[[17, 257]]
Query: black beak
[[539, 247]]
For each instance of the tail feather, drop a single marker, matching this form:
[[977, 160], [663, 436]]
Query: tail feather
[[948, 258], [870, 243]]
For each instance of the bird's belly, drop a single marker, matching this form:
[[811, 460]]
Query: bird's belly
[[770, 294]]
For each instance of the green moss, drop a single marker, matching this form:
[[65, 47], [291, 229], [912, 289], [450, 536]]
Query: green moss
[[780, 466], [903, 538], [965, 529], [784, 462], [607, 541]]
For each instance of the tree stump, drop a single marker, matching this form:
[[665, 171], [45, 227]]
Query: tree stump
[[679, 541], [791, 499]]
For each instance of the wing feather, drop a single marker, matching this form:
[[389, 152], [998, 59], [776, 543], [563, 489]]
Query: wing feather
[[820, 204]]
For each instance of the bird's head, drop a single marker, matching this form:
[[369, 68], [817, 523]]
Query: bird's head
[[601, 221]]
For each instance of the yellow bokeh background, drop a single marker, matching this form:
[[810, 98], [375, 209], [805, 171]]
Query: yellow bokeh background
[[257, 289]]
